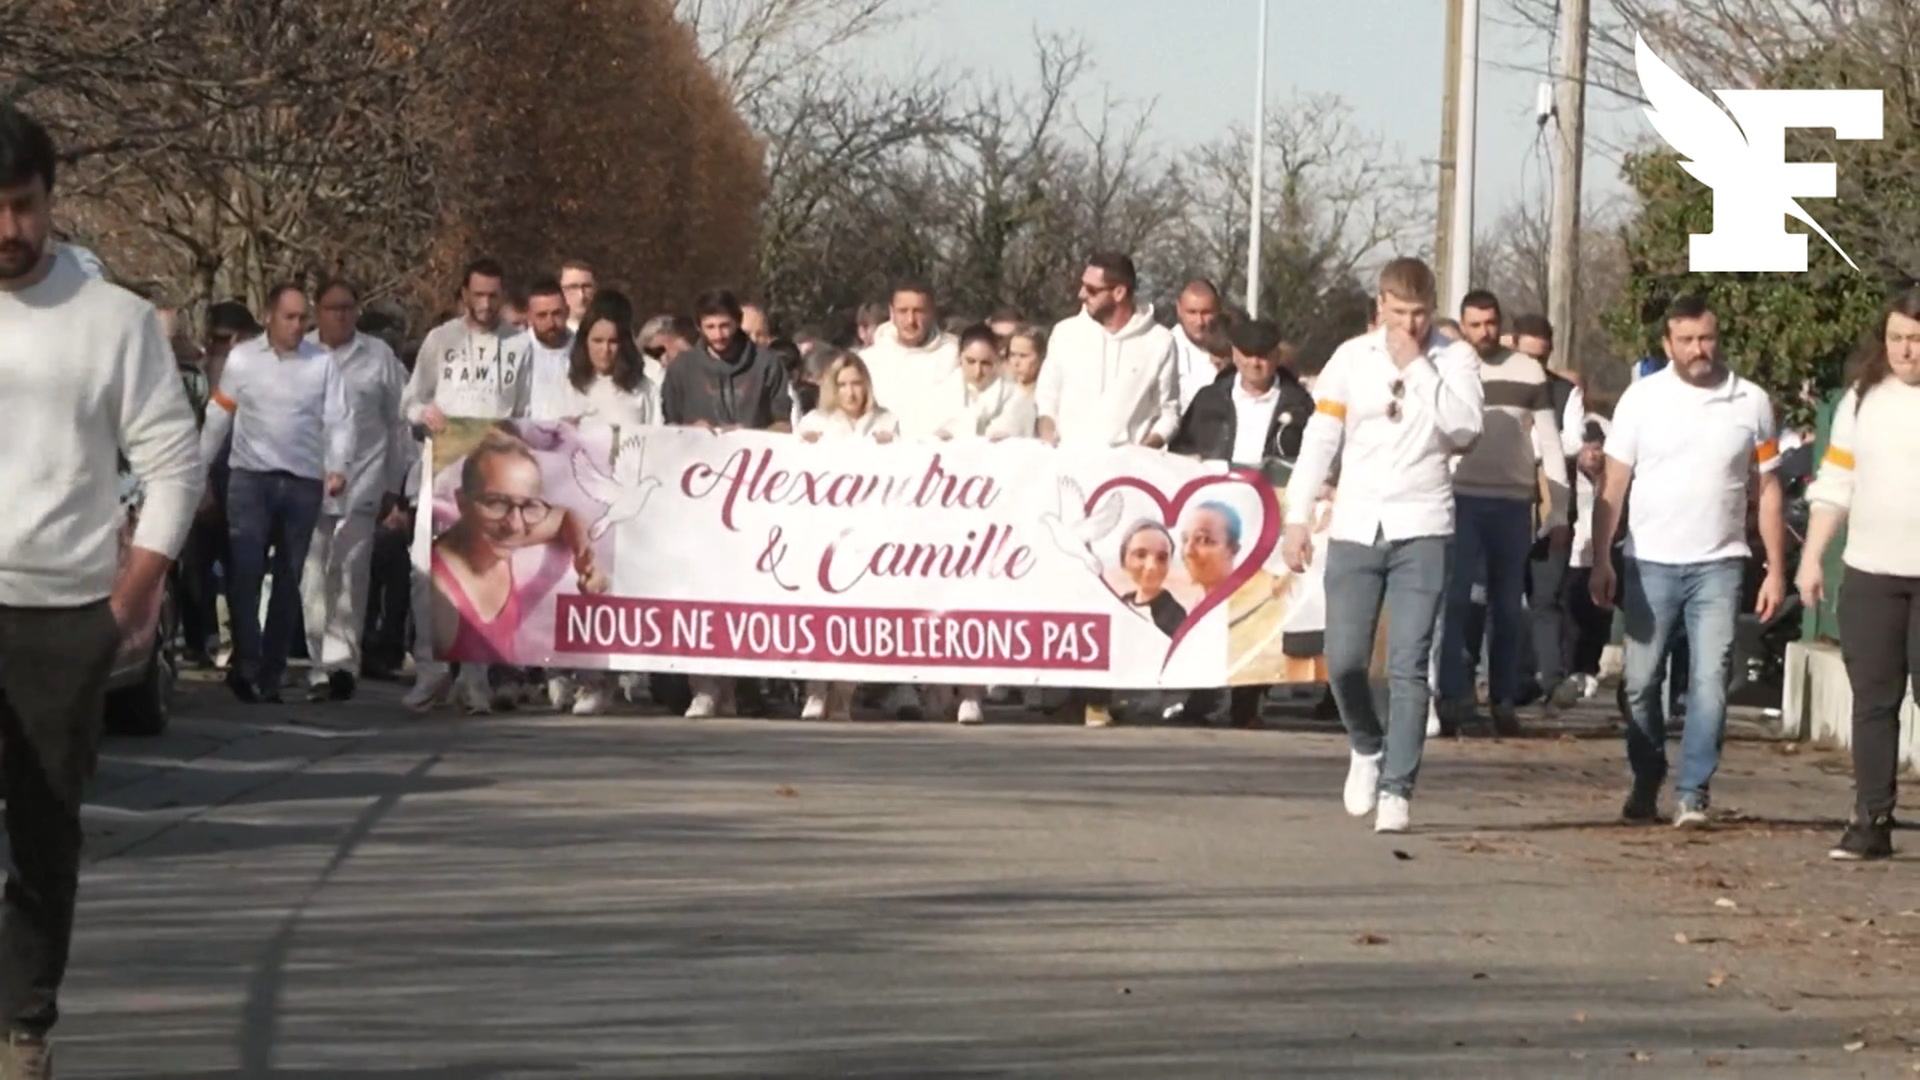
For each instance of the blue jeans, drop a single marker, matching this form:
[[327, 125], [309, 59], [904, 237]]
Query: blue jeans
[[277, 512], [1493, 539], [1660, 600], [1408, 578]]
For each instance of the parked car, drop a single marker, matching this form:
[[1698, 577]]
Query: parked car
[[140, 689]]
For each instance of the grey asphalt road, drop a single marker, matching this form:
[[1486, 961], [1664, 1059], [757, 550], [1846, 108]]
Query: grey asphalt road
[[349, 893]]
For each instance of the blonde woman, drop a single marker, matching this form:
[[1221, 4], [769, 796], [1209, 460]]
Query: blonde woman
[[846, 410], [847, 407]]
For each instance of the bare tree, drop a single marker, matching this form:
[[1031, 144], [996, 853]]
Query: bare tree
[[1337, 200]]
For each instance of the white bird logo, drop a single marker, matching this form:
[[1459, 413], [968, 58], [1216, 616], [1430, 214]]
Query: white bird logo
[[1716, 149], [624, 495], [1074, 529]]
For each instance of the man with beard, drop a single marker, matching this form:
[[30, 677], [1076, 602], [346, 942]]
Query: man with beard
[[1496, 487], [96, 368], [727, 384], [552, 350], [1690, 445], [473, 365], [1108, 381]]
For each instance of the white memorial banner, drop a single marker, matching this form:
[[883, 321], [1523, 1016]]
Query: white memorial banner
[[757, 554]]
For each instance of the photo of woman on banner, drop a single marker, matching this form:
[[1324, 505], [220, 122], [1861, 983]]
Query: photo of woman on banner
[[1146, 554], [510, 544]]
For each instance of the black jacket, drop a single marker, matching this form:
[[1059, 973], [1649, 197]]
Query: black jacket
[[1211, 423]]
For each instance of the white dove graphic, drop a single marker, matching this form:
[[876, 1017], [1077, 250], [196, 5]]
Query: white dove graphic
[[624, 495], [1706, 135], [1074, 529]]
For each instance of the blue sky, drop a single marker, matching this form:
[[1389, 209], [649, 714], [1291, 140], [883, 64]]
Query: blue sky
[[1195, 60]]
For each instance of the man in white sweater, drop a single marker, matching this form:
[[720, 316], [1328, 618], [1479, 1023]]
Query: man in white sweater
[[92, 377], [909, 359], [340, 562], [472, 366], [283, 400], [1109, 380], [1110, 377]]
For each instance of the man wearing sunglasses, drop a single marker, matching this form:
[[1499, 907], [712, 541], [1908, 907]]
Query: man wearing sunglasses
[[1395, 406]]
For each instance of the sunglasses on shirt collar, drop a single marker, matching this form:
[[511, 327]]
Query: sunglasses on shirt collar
[[1398, 388]]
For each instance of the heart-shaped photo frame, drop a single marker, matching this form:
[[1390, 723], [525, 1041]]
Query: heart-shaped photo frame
[[1253, 557]]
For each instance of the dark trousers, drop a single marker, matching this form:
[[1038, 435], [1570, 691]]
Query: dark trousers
[[389, 592], [199, 588], [1589, 627], [1547, 606], [54, 664], [1880, 641], [1240, 704], [266, 512]]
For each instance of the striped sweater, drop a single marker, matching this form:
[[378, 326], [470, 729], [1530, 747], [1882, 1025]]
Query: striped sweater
[[1521, 438]]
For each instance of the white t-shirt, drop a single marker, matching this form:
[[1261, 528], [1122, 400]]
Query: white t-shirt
[[1692, 451]]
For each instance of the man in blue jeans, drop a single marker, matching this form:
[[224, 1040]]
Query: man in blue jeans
[[1688, 445], [282, 398], [1394, 405], [1496, 489]]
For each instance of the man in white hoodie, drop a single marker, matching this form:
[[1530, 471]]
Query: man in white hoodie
[[1110, 377], [1195, 367], [470, 366], [1109, 380], [910, 358]]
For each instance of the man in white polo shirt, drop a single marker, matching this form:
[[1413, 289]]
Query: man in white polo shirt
[[1394, 405], [284, 401], [1683, 454]]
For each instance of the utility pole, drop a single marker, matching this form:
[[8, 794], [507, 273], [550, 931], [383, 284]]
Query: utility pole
[[1460, 249], [1259, 180], [1449, 116], [1570, 111]]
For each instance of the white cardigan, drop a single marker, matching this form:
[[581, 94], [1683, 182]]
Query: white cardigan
[[1000, 409], [834, 424]]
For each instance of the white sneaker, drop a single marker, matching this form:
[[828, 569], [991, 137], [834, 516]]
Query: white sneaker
[[1363, 784], [814, 709], [1433, 720], [702, 707], [471, 692], [1395, 814], [969, 712], [560, 692], [591, 701], [429, 686]]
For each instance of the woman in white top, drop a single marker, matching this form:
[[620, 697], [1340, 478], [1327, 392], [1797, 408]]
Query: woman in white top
[[980, 401], [607, 385], [846, 411], [976, 401], [1870, 480], [1026, 353]]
